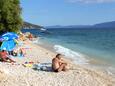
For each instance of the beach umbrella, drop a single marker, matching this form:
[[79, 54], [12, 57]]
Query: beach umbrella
[[1, 39], [8, 45], [9, 36]]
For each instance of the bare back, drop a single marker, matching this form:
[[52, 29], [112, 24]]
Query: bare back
[[55, 63]]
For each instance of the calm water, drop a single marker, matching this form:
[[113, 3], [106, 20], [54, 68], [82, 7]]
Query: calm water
[[95, 43]]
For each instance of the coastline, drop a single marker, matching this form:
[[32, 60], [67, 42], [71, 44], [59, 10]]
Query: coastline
[[91, 62], [17, 75]]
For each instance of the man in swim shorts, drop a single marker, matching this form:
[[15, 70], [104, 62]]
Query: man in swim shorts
[[58, 64]]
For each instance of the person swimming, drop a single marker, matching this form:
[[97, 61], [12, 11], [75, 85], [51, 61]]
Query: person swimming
[[58, 64]]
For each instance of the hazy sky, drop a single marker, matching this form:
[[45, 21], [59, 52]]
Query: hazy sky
[[68, 12]]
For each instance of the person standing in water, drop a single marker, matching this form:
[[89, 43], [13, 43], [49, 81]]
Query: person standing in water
[[58, 64]]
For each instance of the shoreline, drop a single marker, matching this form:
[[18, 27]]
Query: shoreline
[[92, 63], [101, 71], [17, 75], [99, 58]]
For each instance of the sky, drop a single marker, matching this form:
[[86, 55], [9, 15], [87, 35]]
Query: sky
[[68, 12]]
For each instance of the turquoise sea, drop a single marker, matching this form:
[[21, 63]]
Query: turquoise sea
[[83, 44]]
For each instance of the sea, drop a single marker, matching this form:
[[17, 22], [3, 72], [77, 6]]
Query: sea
[[84, 46]]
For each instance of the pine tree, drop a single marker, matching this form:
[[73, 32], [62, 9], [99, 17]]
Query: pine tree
[[10, 15]]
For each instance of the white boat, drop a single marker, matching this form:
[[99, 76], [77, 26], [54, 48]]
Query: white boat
[[43, 29]]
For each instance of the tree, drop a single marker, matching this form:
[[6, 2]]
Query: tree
[[10, 15]]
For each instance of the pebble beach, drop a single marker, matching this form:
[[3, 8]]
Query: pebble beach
[[18, 75]]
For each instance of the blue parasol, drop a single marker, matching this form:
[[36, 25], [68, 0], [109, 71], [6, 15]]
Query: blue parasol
[[1, 39], [9, 36], [8, 45]]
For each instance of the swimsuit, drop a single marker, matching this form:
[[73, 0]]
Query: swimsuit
[[56, 70]]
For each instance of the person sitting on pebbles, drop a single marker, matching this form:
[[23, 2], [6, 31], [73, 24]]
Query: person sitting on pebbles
[[58, 64], [4, 57]]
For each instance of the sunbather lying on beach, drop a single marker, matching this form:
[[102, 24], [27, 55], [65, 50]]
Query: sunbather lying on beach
[[58, 64], [4, 56]]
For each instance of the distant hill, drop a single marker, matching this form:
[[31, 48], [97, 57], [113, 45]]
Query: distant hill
[[105, 25], [70, 26], [100, 25], [28, 25]]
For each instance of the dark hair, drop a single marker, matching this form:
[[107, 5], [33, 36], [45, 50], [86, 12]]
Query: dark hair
[[3, 50], [58, 55]]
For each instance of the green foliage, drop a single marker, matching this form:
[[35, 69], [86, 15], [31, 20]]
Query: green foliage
[[10, 15]]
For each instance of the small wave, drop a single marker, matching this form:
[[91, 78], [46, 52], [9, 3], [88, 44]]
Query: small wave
[[111, 70], [38, 40], [77, 57]]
